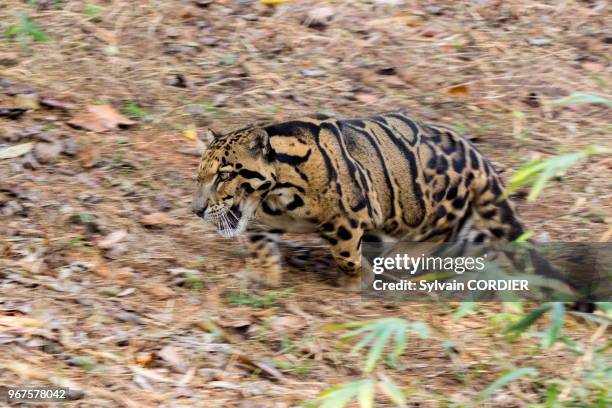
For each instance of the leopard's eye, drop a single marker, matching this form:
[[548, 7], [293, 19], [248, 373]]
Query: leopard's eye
[[224, 175]]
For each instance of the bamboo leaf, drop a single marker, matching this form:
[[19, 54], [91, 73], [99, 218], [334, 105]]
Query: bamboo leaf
[[505, 380], [394, 392], [376, 351], [526, 322], [556, 321], [400, 344], [594, 318], [463, 309], [421, 329], [539, 172], [581, 98], [366, 340], [365, 395], [341, 395]]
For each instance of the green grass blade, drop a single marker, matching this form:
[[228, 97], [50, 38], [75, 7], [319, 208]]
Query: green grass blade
[[525, 173], [552, 395], [523, 324], [556, 321], [366, 340], [394, 392], [540, 183], [506, 379], [401, 342], [377, 349]]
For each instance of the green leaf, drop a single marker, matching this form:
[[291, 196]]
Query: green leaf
[[526, 322], [464, 309], [92, 11], [400, 344], [341, 395], [552, 394], [593, 317], [394, 392], [606, 308], [506, 379], [377, 350], [26, 28], [366, 340], [580, 98], [539, 172], [524, 237], [421, 329], [377, 334], [36, 33], [133, 110], [556, 321], [366, 395]]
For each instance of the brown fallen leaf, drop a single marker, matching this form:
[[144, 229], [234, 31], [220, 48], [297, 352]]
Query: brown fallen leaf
[[9, 59], [19, 321], [172, 356], [105, 35], [366, 97], [89, 157], [287, 324], [394, 81], [411, 20], [27, 101], [593, 66], [113, 238], [15, 151], [430, 33], [209, 326], [47, 152], [144, 359], [161, 292], [223, 384], [319, 17], [158, 219], [458, 91], [150, 374], [273, 2], [235, 324], [264, 312], [265, 367], [56, 104], [100, 118]]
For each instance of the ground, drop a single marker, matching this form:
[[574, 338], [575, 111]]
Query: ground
[[109, 285]]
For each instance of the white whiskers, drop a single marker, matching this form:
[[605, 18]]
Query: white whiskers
[[228, 224]]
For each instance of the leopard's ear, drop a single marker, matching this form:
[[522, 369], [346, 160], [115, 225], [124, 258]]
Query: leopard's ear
[[259, 142], [212, 134]]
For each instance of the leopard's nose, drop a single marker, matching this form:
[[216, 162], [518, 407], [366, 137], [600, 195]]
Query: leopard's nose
[[199, 211]]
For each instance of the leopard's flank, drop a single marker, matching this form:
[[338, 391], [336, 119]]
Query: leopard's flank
[[350, 180]]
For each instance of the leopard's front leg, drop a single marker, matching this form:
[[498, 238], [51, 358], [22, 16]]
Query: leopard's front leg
[[345, 246], [265, 263]]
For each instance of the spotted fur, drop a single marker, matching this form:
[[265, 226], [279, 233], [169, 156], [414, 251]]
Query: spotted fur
[[349, 180]]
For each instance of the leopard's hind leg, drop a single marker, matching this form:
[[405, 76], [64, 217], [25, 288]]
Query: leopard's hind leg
[[500, 218]]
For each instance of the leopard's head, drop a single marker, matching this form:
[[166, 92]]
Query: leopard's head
[[233, 179]]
